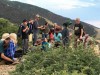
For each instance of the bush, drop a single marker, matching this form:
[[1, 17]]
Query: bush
[[60, 61], [7, 27]]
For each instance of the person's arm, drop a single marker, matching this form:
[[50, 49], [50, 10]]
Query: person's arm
[[39, 27], [6, 58], [12, 50], [81, 33], [24, 30], [60, 36]]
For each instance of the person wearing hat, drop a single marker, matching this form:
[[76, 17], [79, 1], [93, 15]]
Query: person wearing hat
[[25, 34], [65, 33], [10, 51], [36, 28], [4, 44]]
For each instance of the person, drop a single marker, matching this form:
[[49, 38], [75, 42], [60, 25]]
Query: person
[[4, 44], [10, 51], [51, 34], [45, 30], [25, 30], [65, 33], [57, 37], [50, 43], [57, 26], [30, 25], [78, 31], [45, 44], [36, 28]]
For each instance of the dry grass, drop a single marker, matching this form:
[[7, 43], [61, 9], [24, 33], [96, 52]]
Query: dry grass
[[5, 69]]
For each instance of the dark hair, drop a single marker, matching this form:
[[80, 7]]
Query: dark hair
[[46, 23], [7, 38], [51, 31], [49, 40], [5, 45], [24, 20]]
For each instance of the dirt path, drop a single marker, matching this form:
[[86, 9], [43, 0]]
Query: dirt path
[[5, 69]]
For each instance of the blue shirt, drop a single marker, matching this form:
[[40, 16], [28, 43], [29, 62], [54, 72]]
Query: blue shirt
[[44, 45], [10, 51], [57, 37]]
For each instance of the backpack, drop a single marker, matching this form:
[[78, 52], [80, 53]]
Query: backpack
[[19, 33]]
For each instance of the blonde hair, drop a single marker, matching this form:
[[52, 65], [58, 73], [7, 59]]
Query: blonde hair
[[13, 37]]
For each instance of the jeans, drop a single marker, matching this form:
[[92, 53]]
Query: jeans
[[44, 35], [25, 45]]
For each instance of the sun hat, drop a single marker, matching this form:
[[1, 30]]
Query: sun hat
[[5, 36]]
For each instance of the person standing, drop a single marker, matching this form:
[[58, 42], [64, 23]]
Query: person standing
[[25, 33], [30, 25], [36, 28], [65, 34], [78, 31]]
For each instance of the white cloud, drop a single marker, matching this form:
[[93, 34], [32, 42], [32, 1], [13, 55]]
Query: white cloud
[[94, 22], [59, 4]]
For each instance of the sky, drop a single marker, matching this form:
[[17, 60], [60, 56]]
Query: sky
[[87, 10]]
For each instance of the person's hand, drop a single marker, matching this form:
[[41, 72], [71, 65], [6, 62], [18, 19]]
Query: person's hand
[[80, 37], [27, 28]]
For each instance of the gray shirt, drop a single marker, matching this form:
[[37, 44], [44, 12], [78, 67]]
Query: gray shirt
[[35, 27]]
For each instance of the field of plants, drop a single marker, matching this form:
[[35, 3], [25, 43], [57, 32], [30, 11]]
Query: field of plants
[[59, 61]]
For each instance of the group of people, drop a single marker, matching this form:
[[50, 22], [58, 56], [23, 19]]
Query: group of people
[[57, 35], [51, 37]]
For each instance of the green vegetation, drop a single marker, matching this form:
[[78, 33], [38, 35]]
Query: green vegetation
[[60, 61], [7, 27]]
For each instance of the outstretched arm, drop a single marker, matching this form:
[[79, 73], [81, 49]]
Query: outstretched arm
[[6, 58]]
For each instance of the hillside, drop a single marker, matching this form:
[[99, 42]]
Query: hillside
[[16, 12]]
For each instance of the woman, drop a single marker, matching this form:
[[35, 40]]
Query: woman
[[57, 37]]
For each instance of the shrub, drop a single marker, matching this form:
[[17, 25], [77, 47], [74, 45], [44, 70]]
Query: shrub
[[70, 61]]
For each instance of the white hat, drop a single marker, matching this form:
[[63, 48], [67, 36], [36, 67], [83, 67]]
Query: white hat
[[5, 36]]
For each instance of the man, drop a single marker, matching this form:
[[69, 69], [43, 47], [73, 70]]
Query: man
[[65, 33], [78, 30], [25, 33], [36, 28], [4, 44], [30, 25]]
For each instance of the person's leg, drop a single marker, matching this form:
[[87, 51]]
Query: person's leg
[[35, 38], [26, 45], [23, 46], [46, 35]]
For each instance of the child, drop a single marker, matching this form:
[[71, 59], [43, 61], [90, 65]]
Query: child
[[51, 34], [57, 37], [45, 44]]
